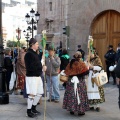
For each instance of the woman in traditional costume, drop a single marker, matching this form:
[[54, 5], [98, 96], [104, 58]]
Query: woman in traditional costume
[[95, 93], [21, 69], [75, 97]]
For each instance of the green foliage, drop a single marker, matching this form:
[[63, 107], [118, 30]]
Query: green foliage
[[43, 42], [16, 43]]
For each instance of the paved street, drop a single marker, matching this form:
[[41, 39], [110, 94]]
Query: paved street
[[16, 109]]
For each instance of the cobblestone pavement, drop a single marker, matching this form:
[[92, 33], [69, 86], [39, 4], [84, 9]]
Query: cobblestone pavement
[[16, 109]]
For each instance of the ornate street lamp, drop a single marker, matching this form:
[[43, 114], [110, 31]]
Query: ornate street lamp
[[27, 36], [32, 20]]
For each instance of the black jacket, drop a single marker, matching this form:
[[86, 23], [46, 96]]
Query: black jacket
[[117, 69], [8, 64], [82, 52], [110, 57], [64, 61], [33, 64], [117, 55]]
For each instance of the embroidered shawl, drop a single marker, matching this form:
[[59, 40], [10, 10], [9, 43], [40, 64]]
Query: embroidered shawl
[[77, 68], [96, 61]]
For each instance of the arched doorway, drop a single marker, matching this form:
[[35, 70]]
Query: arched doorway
[[105, 30]]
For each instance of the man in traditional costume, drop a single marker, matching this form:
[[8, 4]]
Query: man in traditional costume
[[95, 93], [34, 85], [75, 97]]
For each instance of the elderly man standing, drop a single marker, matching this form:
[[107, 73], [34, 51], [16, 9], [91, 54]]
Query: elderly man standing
[[34, 85], [53, 66]]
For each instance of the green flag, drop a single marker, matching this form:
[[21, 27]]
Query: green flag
[[44, 38]]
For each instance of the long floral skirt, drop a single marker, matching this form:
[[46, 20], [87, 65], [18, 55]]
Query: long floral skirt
[[98, 101], [20, 82], [70, 100]]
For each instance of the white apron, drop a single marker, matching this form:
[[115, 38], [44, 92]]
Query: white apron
[[93, 92], [34, 85]]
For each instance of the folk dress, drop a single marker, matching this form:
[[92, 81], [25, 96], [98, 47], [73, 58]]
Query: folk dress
[[70, 100], [95, 93]]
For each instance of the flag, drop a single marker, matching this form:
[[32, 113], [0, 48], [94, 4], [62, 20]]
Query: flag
[[90, 44], [44, 38]]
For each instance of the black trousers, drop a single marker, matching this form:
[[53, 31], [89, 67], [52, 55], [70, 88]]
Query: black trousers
[[8, 77], [119, 95], [112, 73]]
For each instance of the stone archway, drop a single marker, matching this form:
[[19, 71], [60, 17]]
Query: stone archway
[[105, 30]]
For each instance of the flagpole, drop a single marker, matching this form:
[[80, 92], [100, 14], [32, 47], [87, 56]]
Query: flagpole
[[44, 87], [43, 43], [90, 47]]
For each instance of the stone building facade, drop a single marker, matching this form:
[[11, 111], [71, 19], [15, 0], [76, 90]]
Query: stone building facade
[[52, 19], [79, 15]]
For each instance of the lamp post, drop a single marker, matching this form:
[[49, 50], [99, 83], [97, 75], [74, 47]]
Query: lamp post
[[4, 97], [27, 36], [32, 20]]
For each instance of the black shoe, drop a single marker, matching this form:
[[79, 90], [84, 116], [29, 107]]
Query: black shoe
[[33, 110], [30, 114], [36, 112], [92, 108], [52, 100], [38, 103], [98, 109], [72, 113], [21, 93], [81, 113], [10, 92]]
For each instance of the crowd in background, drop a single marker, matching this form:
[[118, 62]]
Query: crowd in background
[[75, 67]]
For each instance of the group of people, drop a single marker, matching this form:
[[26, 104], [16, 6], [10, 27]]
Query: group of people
[[80, 94], [14, 61], [111, 58], [29, 66]]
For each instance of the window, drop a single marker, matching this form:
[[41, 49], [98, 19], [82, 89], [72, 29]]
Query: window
[[50, 4]]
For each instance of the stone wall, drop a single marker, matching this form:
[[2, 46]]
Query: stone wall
[[81, 13], [56, 15]]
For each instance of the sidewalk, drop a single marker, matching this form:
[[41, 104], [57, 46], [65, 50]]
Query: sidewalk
[[16, 109]]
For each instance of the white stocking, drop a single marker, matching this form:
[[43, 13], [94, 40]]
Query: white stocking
[[36, 99], [30, 102], [98, 105]]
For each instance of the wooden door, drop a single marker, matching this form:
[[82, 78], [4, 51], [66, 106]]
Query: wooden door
[[105, 30]]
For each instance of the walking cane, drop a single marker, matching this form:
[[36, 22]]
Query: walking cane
[[51, 81], [50, 94]]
